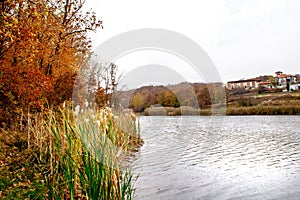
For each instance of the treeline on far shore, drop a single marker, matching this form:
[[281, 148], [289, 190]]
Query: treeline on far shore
[[207, 99]]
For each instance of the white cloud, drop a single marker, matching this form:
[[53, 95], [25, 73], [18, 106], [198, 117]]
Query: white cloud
[[244, 38]]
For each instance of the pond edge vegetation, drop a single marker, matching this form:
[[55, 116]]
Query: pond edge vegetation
[[61, 157]]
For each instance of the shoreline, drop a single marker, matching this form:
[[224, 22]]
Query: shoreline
[[242, 104], [228, 111]]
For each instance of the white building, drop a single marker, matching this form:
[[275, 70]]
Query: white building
[[287, 81], [247, 84]]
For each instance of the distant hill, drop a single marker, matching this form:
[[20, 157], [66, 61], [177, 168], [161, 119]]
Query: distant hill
[[196, 95]]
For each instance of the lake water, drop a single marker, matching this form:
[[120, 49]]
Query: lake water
[[218, 157]]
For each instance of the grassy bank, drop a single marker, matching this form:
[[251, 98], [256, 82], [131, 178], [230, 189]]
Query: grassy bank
[[54, 156], [265, 104], [274, 107], [284, 109], [246, 104], [264, 110], [171, 111]]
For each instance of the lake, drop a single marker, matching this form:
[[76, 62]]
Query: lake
[[218, 157]]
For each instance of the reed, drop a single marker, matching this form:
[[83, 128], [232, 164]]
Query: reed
[[73, 159], [265, 110], [171, 111]]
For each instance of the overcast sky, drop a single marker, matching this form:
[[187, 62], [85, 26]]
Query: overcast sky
[[244, 38]]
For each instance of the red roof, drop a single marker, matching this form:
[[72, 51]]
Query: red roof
[[243, 81], [282, 76], [264, 83]]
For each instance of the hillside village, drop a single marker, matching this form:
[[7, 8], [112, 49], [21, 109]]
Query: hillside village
[[279, 83]]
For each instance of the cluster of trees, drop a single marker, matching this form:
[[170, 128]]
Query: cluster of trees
[[196, 95], [101, 82], [146, 96], [42, 45]]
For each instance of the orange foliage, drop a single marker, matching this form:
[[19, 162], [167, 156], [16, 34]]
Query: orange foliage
[[42, 44]]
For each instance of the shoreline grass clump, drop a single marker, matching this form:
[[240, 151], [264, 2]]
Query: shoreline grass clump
[[59, 157], [274, 107], [172, 111]]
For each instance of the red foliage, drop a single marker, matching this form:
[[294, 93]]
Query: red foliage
[[41, 48]]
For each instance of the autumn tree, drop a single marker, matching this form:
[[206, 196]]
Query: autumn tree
[[272, 81], [110, 79], [146, 96], [138, 102], [170, 99], [203, 95], [106, 79], [42, 45]]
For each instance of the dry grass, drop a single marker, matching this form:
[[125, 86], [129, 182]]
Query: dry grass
[[171, 111], [54, 156], [287, 109]]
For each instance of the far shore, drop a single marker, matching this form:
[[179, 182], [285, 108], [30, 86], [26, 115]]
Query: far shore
[[245, 110], [245, 104]]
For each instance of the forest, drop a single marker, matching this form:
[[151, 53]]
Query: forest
[[195, 95]]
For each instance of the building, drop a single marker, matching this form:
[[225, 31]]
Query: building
[[298, 78], [281, 81], [247, 84], [265, 84], [286, 81], [295, 86]]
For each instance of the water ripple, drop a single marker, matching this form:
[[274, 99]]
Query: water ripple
[[250, 157]]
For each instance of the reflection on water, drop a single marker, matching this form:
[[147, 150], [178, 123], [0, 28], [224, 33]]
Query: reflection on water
[[248, 157]]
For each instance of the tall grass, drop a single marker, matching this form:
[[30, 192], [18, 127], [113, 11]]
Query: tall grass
[[90, 156], [276, 107], [171, 111], [78, 159], [264, 110]]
